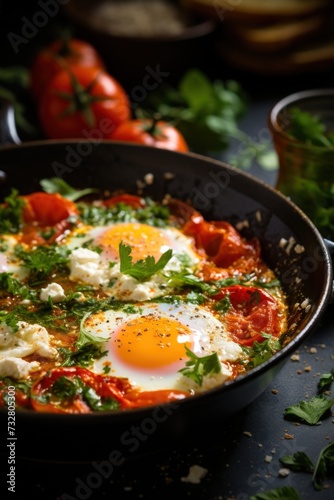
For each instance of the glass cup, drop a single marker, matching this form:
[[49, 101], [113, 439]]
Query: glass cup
[[306, 171]]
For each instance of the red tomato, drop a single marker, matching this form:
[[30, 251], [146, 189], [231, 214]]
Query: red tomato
[[149, 398], [222, 243], [83, 103], [59, 54], [106, 387], [151, 133], [47, 209], [46, 214], [128, 199], [252, 312]]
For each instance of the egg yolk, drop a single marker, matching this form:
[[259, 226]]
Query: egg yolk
[[144, 240], [150, 342]]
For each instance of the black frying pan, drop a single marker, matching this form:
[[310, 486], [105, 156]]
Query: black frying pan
[[291, 244]]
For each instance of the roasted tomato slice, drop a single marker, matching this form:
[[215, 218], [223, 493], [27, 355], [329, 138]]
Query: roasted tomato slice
[[252, 311], [222, 243], [128, 199], [78, 390], [47, 209], [45, 217], [149, 398]]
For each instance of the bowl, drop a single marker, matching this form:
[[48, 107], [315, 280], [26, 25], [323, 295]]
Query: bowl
[[302, 126], [139, 51]]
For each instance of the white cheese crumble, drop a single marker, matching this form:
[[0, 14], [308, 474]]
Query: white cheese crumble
[[195, 474], [86, 267], [29, 339], [17, 367], [54, 291]]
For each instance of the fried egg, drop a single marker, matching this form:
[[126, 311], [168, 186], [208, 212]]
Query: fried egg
[[101, 268], [147, 343]]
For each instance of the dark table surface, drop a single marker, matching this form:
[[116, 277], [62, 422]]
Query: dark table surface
[[240, 455]]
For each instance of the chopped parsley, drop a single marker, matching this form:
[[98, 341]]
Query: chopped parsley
[[261, 351], [11, 285], [43, 260], [66, 390], [11, 213], [152, 214], [84, 356]]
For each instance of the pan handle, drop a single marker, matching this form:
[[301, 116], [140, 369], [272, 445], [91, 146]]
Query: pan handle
[[8, 132], [330, 246]]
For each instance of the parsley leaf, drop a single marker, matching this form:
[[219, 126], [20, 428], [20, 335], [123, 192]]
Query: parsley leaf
[[87, 338], [284, 493], [324, 465], [11, 213], [325, 381], [261, 351], [299, 461], [58, 185], [142, 269], [198, 367], [310, 411]]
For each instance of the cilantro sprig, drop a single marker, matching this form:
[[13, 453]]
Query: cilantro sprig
[[198, 367], [143, 269]]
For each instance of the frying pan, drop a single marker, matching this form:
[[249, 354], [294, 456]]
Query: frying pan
[[291, 245]]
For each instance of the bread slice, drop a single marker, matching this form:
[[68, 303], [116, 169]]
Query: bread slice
[[278, 36], [250, 11], [314, 57]]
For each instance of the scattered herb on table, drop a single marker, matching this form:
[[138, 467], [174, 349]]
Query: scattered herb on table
[[323, 468], [284, 493], [310, 411], [325, 381]]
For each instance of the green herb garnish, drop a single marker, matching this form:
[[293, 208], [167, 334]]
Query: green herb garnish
[[58, 185], [284, 493], [310, 411], [261, 351], [300, 461], [199, 367], [43, 260], [143, 269], [11, 213], [325, 381]]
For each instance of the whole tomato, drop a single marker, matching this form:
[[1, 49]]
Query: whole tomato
[[59, 54], [151, 132], [83, 103]]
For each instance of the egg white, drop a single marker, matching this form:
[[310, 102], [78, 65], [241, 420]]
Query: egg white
[[208, 335], [119, 286]]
